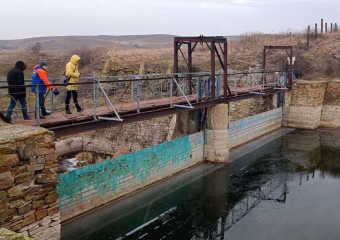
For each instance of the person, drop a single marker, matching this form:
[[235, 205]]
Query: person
[[40, 77], [16, 77], [71, 70]]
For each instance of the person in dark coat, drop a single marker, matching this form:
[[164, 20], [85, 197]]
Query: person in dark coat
[[15, 77]]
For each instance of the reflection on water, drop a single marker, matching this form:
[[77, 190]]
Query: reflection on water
[[286, 188]]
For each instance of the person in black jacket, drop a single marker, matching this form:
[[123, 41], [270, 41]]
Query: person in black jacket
[[15, 77]]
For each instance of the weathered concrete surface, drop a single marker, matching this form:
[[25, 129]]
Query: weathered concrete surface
[[91, 186], [246, 129], [217, 134], [28, 198], [330, 114], [304, 104], [181, 125]]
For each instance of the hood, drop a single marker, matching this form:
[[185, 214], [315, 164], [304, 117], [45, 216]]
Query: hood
[[75, 59], [36, 67], [21, 65]]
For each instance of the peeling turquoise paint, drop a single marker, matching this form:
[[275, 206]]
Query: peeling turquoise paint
[[131, 171]]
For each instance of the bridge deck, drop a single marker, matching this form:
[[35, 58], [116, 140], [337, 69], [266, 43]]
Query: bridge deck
[[69, 124]]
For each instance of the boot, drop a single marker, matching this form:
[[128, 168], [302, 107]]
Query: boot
[[68, 111]]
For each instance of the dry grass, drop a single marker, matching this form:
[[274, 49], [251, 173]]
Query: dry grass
[[321, 60]]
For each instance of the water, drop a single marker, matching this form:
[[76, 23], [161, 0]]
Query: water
[[278, 187]]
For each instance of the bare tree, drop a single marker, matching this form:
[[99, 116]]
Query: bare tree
[[36, 48]]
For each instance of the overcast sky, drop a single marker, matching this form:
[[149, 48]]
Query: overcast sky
[[36, 18]]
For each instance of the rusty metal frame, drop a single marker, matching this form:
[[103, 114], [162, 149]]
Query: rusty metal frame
[[179, 41], [290, 55], [88, 125]]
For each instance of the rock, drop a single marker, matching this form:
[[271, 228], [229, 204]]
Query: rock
[[14, 192], [18, 170], [25, 209], [51, 198], [5, 175], [38, 204], [41, 214], [23, 177], [6, 183], [5, 169], [47, 178], [9, 160], [33, 168], [3, 194], [29, 220], [35, 188], [53, 210], [27, 151], [45, 149]]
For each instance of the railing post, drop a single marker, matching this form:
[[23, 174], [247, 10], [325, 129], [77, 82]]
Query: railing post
[[235, 83], [94, 100], [37, 106], [199, 91], [138, 95], [171, 81], [161, 88], [132, 89]]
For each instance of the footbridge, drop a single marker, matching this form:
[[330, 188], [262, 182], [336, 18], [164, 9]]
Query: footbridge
[[111, 101]]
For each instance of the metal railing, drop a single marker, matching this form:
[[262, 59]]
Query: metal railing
[[125, 93]]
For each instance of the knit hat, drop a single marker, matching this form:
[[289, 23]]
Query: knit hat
[[42, 63]]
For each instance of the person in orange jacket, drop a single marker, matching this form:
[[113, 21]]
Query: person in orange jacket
[[39, 76]]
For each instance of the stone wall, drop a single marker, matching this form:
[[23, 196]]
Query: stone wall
[[118, 140], [304, 104], [250, 107], [330, 114], [28, 199]]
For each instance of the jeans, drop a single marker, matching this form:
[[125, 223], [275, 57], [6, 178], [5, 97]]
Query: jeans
[[42, 103], [12, 105], [74, 93]]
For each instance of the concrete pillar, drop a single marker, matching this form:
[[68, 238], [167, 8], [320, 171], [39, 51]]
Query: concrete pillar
[[217, 135]]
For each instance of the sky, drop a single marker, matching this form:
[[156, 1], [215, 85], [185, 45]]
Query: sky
[[37, 18]]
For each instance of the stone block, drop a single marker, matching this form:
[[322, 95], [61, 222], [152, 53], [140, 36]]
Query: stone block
[[28, 220], [5, 169], [51, 198], [45, 149], [23, 177], [25, 209], [35, 188], [3, 195], [53, 210], [6, 183], [27, 151], [5, 175], [9, 160], [41, 214], [38, 204], [18, 170], [36, 167], [47, 178], [14, 192]]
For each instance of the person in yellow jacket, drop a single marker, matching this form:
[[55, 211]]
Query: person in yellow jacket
[[71, 90]]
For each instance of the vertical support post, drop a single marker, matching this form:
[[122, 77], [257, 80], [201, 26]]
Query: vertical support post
[[331, 28], [138, 95], [308, 34], [161, 87], [316, 30], [175, 63], [132, 89], [335, 27], [264, 59], [321, 25], [326, 29], [37, 106], [212, 59], [199, 91], [235, 83], [51, 100], [94, 100], [225, 70], [171, 83], [290, 76], [189, 68]]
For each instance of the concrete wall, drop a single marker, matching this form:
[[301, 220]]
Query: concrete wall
[[249, 128], [91, 186], [28, 198]]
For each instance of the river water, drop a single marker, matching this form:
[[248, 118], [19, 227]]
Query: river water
[[282, 186]]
